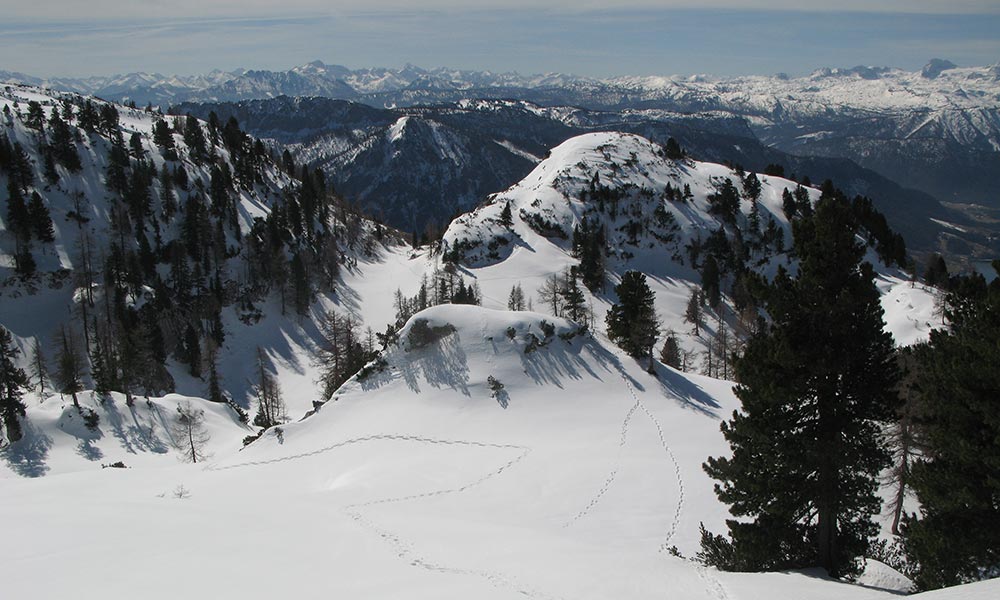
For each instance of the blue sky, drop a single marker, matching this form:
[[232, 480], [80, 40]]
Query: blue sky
[[642, 38]]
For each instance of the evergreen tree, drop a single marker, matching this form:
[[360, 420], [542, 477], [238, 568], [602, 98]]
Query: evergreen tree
[[673, 149], [506, 218], [574, 302], [955, 538], [13, 383], [212, 362], [632, 321], [807, 451], [18, 220], [710, 284], [62, 144], [670, 353], [693, 314], [788, 204], [36, 116], [302, 289], [41, 221], [937, 271], [516, 299], [752, 187]]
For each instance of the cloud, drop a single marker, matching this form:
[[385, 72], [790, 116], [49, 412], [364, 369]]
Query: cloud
[[173, 9]]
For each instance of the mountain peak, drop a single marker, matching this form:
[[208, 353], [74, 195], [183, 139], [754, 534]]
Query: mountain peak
[[935, 67]]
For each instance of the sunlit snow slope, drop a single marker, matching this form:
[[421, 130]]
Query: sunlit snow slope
[[420, 482]]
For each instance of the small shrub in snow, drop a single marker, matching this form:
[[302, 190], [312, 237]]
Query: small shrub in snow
[[547, 328], [421, 334], [495, 385], [511, 333], [90, 418], [115, 465]]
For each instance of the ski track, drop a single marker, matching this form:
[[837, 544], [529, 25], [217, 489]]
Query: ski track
[[405, 550]]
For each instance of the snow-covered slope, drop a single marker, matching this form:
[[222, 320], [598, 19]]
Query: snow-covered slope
[[573, 481], [546, 207]]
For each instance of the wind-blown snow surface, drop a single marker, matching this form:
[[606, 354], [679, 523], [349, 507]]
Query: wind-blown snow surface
[[417, 483]]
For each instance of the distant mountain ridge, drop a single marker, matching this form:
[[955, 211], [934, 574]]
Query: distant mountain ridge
[[414, 166], [936, 129]]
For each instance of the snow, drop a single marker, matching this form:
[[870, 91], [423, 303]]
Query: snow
[[416, 479], [573, 481]]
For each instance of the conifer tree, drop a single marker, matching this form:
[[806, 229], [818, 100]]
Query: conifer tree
[[506, 218], [212, 362], [807, 449], [516, 299], [573, 300], [13, 383], [632, 321], [693, 313], [670, 353], [955, 538], [41, 221]]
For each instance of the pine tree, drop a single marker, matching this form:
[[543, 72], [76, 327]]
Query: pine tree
[[36, 116], [673, 150], [506, 218], [41, 221], [693, 314], [670, 353], [710, 282], [212, 362], [956, 480], [13, 383], [515, 301], [632, 322], [573, 300], [807, 450]]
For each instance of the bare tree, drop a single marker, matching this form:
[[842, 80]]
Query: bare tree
[[69, 362], [549, 293], [189, 433], [39, 368], [270, 404]]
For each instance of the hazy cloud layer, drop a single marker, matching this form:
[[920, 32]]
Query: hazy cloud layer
[[595, 43], [131, 9]]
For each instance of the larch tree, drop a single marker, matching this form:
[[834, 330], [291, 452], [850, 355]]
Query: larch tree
[[189, 434]]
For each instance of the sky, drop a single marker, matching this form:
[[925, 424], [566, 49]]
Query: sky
[[583, 37]]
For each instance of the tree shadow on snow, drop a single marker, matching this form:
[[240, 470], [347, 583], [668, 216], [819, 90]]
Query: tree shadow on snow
[[687, 393], [27, 456]]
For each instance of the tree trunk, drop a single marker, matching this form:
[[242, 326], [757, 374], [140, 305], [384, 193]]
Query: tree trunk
[[194, 453], [904, 452]]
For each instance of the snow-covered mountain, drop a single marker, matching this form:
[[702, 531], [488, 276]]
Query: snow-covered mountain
[[488, 453], [422, 165], [936, 130]]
